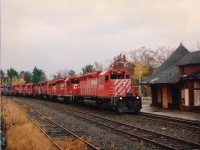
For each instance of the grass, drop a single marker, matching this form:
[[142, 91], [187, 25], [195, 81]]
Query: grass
[[22, 134], [73, 144]]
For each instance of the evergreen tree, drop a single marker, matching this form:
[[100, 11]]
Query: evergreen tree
[[12, 73], [28, 76], [88, 68], [71, 73], [38, 75]]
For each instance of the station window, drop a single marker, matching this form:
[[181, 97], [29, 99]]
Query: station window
[[183, 97], [196, 97], [196, 93]]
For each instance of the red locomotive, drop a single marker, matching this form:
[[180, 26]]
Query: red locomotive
[[108, 89], [15, 89]]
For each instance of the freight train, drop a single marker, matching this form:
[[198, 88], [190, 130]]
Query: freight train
[[109, 89]]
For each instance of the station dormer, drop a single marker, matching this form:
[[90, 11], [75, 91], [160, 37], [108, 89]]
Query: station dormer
[[189, 64]]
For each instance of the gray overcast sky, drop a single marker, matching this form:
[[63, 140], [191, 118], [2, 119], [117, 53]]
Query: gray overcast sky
[[69, 34]]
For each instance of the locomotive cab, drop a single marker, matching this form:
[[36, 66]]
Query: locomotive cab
[[72, 86], [116, 84]]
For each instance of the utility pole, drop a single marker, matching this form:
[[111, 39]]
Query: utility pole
[[139, 78]]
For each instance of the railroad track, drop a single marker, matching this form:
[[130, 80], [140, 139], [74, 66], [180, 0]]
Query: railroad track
[[171, 121], [51, 129], [131, 132]]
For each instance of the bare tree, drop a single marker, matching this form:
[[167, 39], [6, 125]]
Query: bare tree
[[198, 46], [61, 74], [98, 66], [149, 58], [71, 72]]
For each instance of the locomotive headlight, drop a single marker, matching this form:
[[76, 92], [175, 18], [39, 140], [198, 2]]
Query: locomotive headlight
[[137, 97], [120, 98]]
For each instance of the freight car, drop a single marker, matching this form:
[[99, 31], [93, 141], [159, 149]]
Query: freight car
[[108, 89]]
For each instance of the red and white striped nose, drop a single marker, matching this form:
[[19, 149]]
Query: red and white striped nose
[[121, 87]]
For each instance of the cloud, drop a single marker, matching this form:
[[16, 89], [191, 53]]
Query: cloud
[[70, 34]]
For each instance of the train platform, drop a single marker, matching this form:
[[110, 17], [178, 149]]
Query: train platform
[[194, 116]]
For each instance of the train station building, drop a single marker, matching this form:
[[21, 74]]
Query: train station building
[[176, 83]]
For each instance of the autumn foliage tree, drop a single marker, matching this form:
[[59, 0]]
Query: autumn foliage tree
[[146, 61], [2, 77], [12, 77], [119, 62]]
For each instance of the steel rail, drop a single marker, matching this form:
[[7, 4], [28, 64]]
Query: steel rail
[[171, 118], [66, 130], [58, 147], [170, 123], [123, 124]]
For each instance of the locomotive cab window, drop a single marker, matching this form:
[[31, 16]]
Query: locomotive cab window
[[121, 76], [117, 75], [74, 81], [127, 77], [113, 75], [106, 78]]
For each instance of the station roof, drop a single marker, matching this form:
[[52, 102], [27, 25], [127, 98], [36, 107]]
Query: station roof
[[168, 72], [190, 59], [195, 75]]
